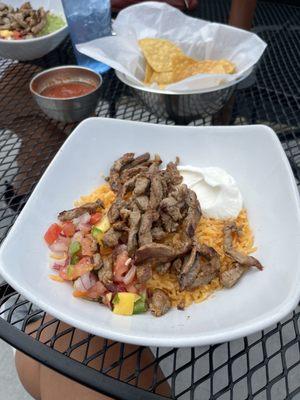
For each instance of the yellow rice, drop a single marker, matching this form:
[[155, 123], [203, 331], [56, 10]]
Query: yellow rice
[[103, 193], [209, 232]]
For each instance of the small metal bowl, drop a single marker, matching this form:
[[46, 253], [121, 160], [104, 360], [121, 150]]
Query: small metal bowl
[[183, 107], [66, 109]]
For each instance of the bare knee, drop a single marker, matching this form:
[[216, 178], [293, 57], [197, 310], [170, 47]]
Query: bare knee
[[29, 374]]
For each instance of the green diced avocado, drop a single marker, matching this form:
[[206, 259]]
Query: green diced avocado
[[103, 225], [116, 299], [70, 270], [74, 248], [140, 306], [100, 228], [74, 259]]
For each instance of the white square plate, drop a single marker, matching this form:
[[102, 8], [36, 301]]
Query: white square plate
[[252, 154]]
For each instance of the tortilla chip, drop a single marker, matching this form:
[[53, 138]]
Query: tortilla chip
[[159, 53], [184, 66], [166, 63], [148, 73], [214, 67], [228, 66], [162, 78]]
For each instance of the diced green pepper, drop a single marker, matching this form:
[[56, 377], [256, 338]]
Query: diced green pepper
[[116, 299], [103, 225], [69, 271], [74, 248], [140, 306], [97, 233], [74, 259]]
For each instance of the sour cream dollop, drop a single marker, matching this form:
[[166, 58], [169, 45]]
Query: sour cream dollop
[[216, 190]]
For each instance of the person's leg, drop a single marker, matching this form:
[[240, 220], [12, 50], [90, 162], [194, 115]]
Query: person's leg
[[29, 374], [52, 385], [56, 386]]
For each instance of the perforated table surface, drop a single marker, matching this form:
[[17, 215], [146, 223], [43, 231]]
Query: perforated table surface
[[265, 365]]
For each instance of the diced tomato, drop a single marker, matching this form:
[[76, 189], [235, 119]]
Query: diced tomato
[[84, 228], [96, 291], [95, 218], [63, 273], [68, 228], [86, 247], [52, 233], [16, 35], [79, 293], [131, 288], [72, 272], [121, 288], [93, 293], [120, 267], [84, 260]]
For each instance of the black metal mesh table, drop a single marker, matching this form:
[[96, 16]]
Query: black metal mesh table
[[265, 365]]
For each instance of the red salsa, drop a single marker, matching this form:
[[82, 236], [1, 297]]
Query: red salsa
[[68, 90]]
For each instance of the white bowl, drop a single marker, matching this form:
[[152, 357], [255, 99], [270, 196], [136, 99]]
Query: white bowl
[[30, 49], [252, 154]]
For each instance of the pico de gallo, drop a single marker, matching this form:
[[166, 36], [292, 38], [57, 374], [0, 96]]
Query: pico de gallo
[[96, 271]]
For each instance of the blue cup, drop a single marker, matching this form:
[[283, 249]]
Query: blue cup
[[88, 20]]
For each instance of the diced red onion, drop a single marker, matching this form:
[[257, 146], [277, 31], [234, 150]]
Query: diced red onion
[[57, 264], [82, 219], [77, 237], [60, 245], [106, 299], [85, 282], [127, 262], [129, 277], [131, 288], [78, 285], [99, 287], [84, 228], [111, 287]]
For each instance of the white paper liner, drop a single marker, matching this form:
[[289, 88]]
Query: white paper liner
[[197, 38]]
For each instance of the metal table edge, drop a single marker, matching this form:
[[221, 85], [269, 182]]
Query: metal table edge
[[72, 369]]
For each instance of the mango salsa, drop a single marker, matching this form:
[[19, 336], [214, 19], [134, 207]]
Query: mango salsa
[[124, 303], [100, 228]]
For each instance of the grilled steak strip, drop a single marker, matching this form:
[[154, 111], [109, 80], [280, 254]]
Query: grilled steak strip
[[142, 202], [111, 238], [143, 273], [194, 272], [160, 253], [187, 279], [143, 158], [114, 176], [145, 236], [76, 212], [156, 191], [114, 210], [239, 257], [105, 274], [193, 213], [163, 268], [141, 185], [160, 303], [134, 223], [232, 276]]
